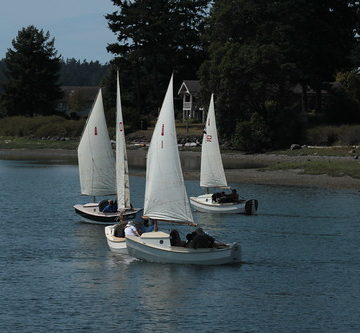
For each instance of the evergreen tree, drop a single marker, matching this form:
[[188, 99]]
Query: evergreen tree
[[32, 71], [2, 75], [155, 38], [82, 73], [259, 49], [319, 38]]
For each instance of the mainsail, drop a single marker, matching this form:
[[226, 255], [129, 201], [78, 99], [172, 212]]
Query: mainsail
[[122, 170], [165, 192], [212, 171], [95, 155]]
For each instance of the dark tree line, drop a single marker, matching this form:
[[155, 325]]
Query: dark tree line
[[255, 55], [82, 73], [258, 50], [250, 53], [156, 38], [73, 72], [31, 75]]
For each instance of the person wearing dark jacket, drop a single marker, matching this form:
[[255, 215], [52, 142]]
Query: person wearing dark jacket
[[110, 207]]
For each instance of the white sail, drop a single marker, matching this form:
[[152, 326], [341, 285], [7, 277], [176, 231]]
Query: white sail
[[165, 193], [212, 171], [95, 155], [122, 170]]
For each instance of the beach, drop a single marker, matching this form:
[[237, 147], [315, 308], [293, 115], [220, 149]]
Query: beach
[[239, 167]]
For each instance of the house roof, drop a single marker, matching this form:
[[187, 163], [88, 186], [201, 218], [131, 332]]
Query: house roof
[[191, 87]]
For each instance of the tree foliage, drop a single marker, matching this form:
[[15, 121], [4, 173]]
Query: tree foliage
[[259, 49], [155, 38], [344, 100], [82, 73], [32, 71]]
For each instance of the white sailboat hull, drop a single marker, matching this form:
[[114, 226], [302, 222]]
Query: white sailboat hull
[[155, 247], [116, 244], [203, 203], [92, 213]]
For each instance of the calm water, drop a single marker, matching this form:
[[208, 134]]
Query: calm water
[[300, 273]]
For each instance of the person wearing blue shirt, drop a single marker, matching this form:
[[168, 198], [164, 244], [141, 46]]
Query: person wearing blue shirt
[[147, 227], [110, 207]]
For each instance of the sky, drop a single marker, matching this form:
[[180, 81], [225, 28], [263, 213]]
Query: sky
[[78, 26]]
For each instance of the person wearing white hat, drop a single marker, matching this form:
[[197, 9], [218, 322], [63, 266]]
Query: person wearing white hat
[[130, 229]]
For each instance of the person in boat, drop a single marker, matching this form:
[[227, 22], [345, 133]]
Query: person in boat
[[175, 239], [201, 239], [222, 198], [216, 196], [189, 238], [233, 196], [111, 207], [120, 229], [130, 229], [147, 227]]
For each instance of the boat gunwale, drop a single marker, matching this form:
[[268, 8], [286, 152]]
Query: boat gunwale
[[218, 205], [106, 214], [181, 249]]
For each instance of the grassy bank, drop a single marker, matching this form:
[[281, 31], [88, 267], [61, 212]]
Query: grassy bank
[[340, 151], [330, 167], [24, 143]]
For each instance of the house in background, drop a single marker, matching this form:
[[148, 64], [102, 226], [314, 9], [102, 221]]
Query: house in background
[[190, 90], [77, 100]]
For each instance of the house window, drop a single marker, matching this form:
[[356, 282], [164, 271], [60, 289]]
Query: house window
[[187, 98]]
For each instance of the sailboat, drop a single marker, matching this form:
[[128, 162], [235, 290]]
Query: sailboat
[[166, 200], [100, 174], [212, 175], [122, 181]]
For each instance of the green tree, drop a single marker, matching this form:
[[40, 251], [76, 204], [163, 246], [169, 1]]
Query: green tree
[[350, 81], [319, 38], [247, 69], [2, 75], [343, 105], [32, 71], [77, 73], [259, 49], [155, 38]]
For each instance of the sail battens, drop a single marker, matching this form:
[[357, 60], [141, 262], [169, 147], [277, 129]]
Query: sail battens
[[212, 171], [95, 156]]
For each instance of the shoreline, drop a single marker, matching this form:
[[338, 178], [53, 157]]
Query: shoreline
[[239, 167]]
